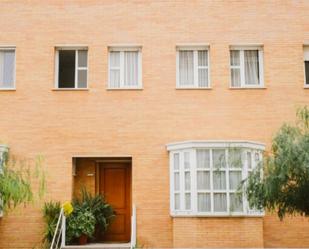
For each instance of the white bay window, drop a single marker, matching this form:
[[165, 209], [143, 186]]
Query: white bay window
[[206, 177]]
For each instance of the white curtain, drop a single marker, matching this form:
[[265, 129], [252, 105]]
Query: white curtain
[[177, 201], [235, 68], [202, 158], [176, 181], [220, 204], [114, 60], [176, 161], [203, 202], [186, 68], [187, 160], [130, 68], [187, 181], [188, 201], [235, 179], [203, 180], [219, 158], [202, 70], [7, 68], [251, 67], [236, 203], [219, 180]]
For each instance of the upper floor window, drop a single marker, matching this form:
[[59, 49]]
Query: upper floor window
[[246, 67], [206, 177], [71, 68], [192, 67], [125, 68], [306, 61], [7, 68]]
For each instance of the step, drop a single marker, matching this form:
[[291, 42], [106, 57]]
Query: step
[[100, 246]]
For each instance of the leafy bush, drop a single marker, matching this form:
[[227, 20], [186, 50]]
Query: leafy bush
[[51, 211]]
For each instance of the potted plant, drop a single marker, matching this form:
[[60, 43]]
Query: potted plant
[[81, 225]]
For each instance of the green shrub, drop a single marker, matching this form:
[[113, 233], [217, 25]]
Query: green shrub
[[51, 211]]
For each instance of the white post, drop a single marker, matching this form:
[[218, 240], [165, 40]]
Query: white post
[[63, 231]]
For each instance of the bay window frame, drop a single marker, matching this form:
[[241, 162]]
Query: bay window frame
[[192, 148]]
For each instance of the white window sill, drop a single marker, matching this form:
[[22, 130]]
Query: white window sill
[[218, 215], [70, 89], [306, 86], [193, 88], [124, 88], [248, 87], [7, 89]]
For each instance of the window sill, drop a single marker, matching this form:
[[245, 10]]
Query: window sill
[[7, 89], [261, 215], [193, 88], [124, 89], [248, 88], [306, 87], [70, 89]]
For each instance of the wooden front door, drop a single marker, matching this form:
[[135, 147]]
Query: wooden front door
[[115, 185]]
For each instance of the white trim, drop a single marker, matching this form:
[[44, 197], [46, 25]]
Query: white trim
[[214, 144], [191, 148], [192, 46], [195, 49], [241, 49], [71, 47], [122, 49], [77, 68]]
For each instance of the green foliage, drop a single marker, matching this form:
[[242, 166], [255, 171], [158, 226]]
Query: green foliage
[[51, 211], [101, 210], [284, 187], [80, 222], [15, 181]]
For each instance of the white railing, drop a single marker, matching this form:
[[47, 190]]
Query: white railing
[[133, 227], [59, 235]]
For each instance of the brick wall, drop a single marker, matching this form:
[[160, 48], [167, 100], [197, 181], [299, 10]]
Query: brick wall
[[59, 124]]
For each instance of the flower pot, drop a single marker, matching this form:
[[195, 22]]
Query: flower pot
[[82, 240]]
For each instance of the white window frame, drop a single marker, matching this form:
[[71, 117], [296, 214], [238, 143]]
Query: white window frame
[[192, 146], [77, 68], [306, 58], [10, 48], [195, 49], [241, 50], [122, 49]]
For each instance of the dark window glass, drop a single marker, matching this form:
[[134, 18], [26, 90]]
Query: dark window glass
[[307, 72], [66, 69]]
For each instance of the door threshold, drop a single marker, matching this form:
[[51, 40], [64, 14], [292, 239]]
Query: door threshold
[[104, 245]]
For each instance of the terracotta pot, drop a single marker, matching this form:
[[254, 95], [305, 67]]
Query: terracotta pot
[[82, 240]]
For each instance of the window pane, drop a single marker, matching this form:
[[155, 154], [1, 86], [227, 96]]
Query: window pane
[[251, 67], [66, 74], [220, 204], [235, 180], [203, 180], [131, 68], [188, 201], [249, 160], [82, 79], [235, 75], [176, 161], [7, 68], [203, 58], [219, 180], [236, 203], [203, 202], [176, 182], [307, 71], [186, 68], [219, 158], [187, 160], [114, 78], [82, 58], [177, 201], [114, 59], [235, 160], [235, 58], [203, 77], [202, 158], [187, 181]]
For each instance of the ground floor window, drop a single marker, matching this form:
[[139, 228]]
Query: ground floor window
[[206, 177]]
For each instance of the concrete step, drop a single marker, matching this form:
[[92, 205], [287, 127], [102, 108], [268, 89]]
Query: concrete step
[[100, 246]]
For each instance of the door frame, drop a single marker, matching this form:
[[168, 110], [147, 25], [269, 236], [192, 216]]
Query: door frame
[[128, 163]]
